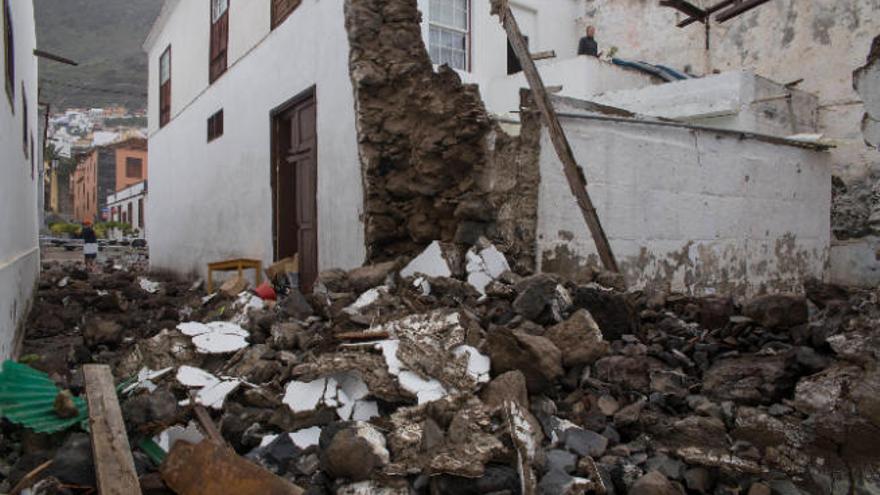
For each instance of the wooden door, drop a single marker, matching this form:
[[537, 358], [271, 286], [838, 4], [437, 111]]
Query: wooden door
[[295, 187]]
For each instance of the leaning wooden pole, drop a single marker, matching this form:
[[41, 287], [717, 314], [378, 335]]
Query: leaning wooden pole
[[576, 180]]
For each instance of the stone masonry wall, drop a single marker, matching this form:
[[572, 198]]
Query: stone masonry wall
[[435, 165]]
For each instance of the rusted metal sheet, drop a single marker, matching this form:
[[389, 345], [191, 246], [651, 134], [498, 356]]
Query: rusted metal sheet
[[211, 469]]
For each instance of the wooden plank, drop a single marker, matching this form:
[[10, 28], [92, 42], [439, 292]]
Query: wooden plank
[[739, 9], [576, 180], [544, 55], [207, 423], [685, 7], [114, 464], [709, 11]]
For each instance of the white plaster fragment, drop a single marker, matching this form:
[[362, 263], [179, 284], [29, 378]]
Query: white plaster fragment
[[215, 395], [306, 438], [145, 380], [63, 282], [366, 300], [265, 441], [425, 390], [170, 436], [479, 364], [218, 343], [305, 396], [485, 266], [148, 285], [219, 337], [189, 376], [431, 263], [365, 410]]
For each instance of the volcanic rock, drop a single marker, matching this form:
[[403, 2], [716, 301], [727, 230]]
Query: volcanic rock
[[536, 357], [579, 339], [778, 311]]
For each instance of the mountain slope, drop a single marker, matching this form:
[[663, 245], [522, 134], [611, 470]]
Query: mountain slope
[[105, 37]]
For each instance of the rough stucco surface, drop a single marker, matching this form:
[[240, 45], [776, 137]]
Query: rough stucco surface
[[821, 41], [19, 186], [435, 166], [691, 211]]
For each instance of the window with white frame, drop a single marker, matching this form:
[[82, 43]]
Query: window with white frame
[[449, 35], [218, 8]]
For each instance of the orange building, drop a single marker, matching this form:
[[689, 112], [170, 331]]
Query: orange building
[[131, 162], [103, 171]]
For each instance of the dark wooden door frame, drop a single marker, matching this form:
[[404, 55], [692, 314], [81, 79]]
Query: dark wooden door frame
[[275, 158]]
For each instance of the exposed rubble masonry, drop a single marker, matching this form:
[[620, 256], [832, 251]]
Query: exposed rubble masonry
[[435, 165]]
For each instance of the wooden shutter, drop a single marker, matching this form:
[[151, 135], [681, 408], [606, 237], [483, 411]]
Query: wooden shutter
[[281, 9], [9, 52], [219, 45], [165, 90]]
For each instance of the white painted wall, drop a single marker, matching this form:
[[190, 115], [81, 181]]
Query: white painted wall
[[549, 25], [130, 196], [690, 210], [580, 77], [212, 201], [19, 250], [737, 100]]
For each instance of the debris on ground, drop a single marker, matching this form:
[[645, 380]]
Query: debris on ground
[[449, 373]]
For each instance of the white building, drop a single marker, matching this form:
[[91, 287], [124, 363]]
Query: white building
[[129, 206], [19, 176], [241, 90], [267, 71]]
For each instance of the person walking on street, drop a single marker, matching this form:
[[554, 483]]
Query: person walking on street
[[90, 244], [587, 44]]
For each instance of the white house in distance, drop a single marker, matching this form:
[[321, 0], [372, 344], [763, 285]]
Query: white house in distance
[[252, 111], [19, 177], [129, 206]]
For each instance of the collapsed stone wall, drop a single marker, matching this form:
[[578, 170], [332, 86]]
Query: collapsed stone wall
[[435, 165]]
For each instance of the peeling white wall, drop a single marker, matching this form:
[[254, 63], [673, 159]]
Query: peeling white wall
[[689, 210], [212, 201], [19, 182], [819, 41]]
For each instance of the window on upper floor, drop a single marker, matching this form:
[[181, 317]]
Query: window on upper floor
[[134, 167], [219, 38], [165, 87], [281, 10], [9, 53], [25, 132], [449, 33], [215, 126]]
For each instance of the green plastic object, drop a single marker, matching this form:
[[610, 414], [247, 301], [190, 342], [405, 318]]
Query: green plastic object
[[153, 450], [27, 398]]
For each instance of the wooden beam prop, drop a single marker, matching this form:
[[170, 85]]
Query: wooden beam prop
[[576, 180], [114, 464]]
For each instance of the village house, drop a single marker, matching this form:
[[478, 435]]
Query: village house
[[19, 158], [105, 170], [311, 144], [128, 206]]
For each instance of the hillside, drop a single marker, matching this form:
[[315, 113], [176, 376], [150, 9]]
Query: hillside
[[105, 37]]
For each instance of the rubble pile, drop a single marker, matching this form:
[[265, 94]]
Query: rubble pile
[[451, 374]]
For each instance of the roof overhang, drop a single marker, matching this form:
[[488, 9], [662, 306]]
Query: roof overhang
[[161, 20]]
